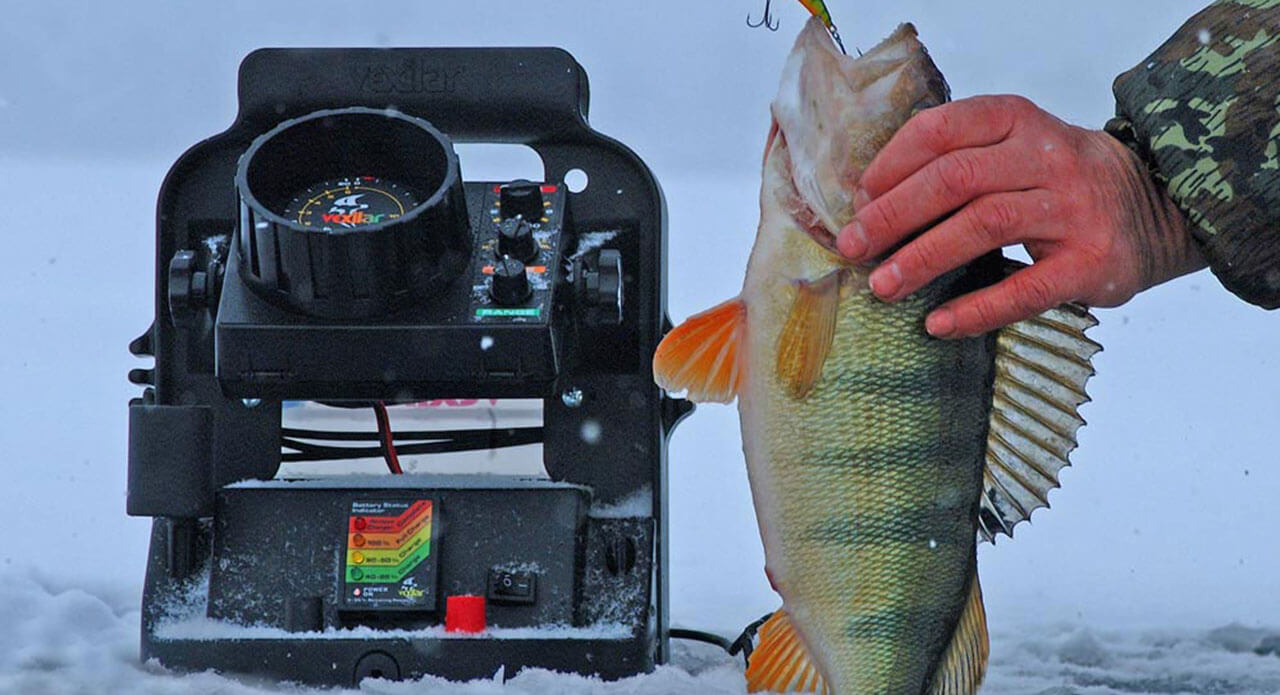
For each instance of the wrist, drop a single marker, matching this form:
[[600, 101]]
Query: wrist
[[1158, 229]]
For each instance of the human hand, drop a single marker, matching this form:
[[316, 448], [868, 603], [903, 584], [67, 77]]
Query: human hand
[[999, 171]]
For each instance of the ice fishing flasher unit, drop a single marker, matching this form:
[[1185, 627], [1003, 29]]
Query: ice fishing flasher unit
[[327, 248]]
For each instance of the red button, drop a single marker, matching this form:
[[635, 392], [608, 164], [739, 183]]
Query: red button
[[361, 523], [464, 614]]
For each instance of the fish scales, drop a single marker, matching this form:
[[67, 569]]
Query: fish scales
[[869, 484], [875, 452], [875, 477]]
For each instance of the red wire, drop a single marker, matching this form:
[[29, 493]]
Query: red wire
[[388, 439]]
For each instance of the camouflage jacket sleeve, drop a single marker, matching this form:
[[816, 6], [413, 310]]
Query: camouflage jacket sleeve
[[1204, 111]]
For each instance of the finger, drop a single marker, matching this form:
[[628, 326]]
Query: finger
[[988, 223], [1028, 292], [974, 122], [941, 187]]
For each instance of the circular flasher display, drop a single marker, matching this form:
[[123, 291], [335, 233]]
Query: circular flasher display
[[351, 213], [356, 202]]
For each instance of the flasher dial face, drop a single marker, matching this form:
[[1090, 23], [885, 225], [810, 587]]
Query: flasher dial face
[[348, 204]]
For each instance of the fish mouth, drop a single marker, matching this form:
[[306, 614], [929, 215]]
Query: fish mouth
[[835, 112]]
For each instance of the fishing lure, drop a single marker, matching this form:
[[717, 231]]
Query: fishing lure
[[767, 20], [817, 8]]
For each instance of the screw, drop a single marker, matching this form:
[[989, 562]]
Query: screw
[[251, 402], [572, 398]]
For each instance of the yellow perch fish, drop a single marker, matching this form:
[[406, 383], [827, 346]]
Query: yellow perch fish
[[877, 455]]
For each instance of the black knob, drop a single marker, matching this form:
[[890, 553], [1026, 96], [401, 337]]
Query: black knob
[[510, 283], [515, 239], [192, 287], [599, 281], [523, 198]]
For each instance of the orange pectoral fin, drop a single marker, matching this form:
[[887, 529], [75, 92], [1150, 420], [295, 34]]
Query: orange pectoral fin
[[703, 354], [806, 337], [781, 663]]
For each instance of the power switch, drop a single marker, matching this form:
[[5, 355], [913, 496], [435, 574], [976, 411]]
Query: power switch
[[512, 587]]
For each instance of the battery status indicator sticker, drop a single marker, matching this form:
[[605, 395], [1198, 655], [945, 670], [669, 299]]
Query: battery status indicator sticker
[[389, 562]]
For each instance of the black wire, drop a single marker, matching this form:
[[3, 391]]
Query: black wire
[[700, 636], [744, 642], [315, 452], [333, 436]]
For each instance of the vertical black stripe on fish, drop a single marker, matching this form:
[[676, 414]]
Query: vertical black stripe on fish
[[911, 383], [891, 623], [897, 454], [943, 521]]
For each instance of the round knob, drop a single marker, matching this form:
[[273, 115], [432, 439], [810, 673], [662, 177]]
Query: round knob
[[523, 198], [510, 283], [192, 288], [515, 239], [599, 281]]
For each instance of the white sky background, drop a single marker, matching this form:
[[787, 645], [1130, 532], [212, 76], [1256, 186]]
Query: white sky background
[[1167, 518]]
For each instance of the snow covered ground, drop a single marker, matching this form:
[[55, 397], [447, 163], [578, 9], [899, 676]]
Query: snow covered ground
[[71, 641], [1165, 530]]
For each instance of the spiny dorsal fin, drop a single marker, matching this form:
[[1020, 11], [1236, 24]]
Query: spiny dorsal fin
[[1042, 365], [806, 337], [781, 663], [964, 664], [703, 355]]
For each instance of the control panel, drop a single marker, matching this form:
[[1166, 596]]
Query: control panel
[[517, 251]]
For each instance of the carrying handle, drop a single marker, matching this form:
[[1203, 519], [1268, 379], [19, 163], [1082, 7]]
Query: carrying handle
[[499, 95]]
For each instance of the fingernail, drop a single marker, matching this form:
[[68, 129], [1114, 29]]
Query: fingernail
[[886, 280], [860, 199], [940, 324], [853, 241]]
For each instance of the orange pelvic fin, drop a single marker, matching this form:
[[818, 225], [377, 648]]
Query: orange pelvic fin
[[806, 338], [703, 355], [781, 663]]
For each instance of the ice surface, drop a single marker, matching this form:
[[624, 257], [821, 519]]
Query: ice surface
[[73, 641]]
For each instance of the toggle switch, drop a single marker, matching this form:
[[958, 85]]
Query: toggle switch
[[512, 587]]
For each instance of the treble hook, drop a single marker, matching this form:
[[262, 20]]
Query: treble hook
[[768, 20]]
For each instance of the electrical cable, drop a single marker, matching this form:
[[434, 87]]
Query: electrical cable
[[478, 440], [337, 436], [700, 636], [744, 643], [388, 443]]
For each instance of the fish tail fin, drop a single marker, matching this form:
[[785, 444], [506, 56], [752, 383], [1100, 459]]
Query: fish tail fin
[[703, 355], [781, 662], [964, 664]]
